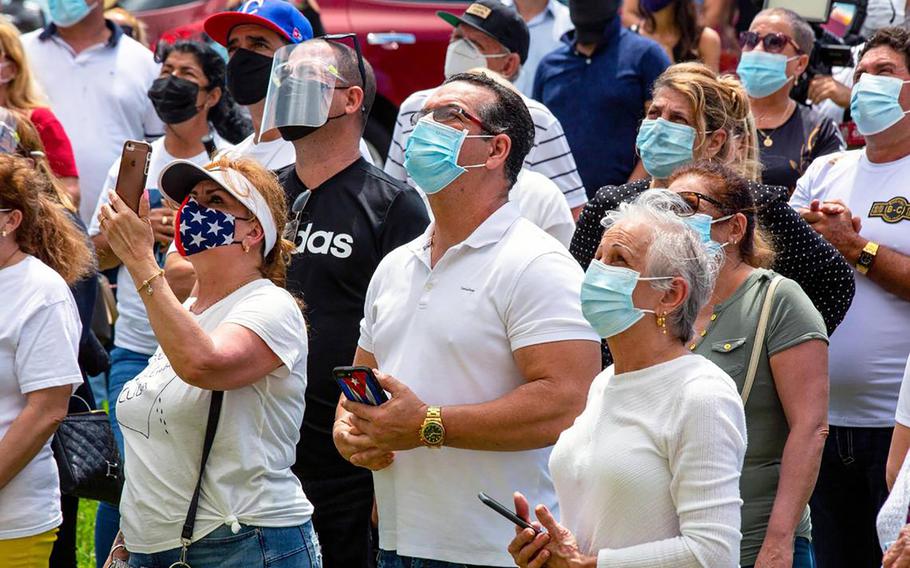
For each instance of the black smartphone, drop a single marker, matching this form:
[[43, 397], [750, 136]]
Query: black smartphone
[[359, 384], [505, 512]]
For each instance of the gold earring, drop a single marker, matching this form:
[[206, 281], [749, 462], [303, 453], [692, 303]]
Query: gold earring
[[662, 323], [3, 233], [245, 247]]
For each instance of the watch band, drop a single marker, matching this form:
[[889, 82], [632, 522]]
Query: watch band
[[866, 257], [432, 432]]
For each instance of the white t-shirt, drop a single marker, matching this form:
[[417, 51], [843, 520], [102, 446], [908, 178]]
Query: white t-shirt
[[248, 477], [541, 203], [276, 154], [39, 349], [462, 321], [648, 475], [550, 155], [133, 331], [100, 97], [868, 351]]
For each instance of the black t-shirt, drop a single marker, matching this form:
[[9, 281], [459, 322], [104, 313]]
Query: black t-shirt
[[348, 225], [795, 144]]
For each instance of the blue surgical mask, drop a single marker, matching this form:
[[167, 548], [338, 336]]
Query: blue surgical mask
[[200, 228], [66, 13], [664, 146], [431, 155], [606, 298], [875, 103], [701, 223], [763, 73]]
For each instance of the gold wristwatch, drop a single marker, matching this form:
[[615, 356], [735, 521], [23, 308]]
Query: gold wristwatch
[[866, 257], [432, 432]]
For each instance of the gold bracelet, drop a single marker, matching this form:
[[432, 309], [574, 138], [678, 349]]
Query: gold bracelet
[[148, 283]]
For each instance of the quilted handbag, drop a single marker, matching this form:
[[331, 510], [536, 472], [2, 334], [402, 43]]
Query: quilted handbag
[[87, 456]]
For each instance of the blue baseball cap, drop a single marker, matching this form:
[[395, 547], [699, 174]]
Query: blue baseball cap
[[276, 15]]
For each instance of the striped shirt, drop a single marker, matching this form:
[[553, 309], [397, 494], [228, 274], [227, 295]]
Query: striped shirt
[[549, 156]]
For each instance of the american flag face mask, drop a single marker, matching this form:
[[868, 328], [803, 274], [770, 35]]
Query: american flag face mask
[[200, 228]]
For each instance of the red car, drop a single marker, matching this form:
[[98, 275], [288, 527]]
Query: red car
[[405, 41]]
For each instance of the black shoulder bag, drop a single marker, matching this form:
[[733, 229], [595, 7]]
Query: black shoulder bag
[[186, 536]]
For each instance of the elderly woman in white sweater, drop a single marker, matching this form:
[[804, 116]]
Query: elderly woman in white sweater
[[648, 475]]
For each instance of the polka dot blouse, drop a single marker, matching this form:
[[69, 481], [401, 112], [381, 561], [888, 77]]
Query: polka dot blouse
[[801, 254]]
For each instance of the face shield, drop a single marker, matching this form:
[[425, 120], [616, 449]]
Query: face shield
[[9, 137], [301, 86]]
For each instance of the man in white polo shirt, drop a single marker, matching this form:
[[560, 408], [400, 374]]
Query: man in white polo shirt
[[97, 80], [492, 35], [459, 320], [858, 201]]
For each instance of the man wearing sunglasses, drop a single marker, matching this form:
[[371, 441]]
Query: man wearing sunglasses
[[857, 200], [484, 364], [318, 99], [776, 51], [492, 35]]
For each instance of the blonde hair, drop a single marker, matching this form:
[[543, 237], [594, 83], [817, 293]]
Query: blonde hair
[[22, 92], [46, 232], [119, 15], [31, 147], [275, 264], [717, 103]]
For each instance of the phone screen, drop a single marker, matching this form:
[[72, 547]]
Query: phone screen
[[359, 385]]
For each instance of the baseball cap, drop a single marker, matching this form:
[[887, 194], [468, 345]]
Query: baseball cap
[[179, 177], [276, 15], [498, 21]]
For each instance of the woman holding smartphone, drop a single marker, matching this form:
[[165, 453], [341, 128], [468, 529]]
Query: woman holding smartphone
[[648, 475], [241, 341], [191, 100]]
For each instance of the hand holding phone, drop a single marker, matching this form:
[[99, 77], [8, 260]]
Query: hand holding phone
[[359, 384], [505, 512], [134, 169]]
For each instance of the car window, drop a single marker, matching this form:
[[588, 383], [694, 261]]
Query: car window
[[144, 5]]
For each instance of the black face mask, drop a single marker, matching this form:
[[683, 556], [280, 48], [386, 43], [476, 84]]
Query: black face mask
[[174, 99], [248, 76], [590, 18]]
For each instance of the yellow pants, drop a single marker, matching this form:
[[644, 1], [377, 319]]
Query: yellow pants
[[27, 552]]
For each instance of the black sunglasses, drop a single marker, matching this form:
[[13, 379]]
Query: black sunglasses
[[693, 199], [774, 42], [360, 66], [450, 113]]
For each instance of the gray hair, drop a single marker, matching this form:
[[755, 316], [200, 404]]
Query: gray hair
[[675, 250], [802, 31]]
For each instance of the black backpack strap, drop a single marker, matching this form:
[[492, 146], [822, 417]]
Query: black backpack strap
[[214, 413]]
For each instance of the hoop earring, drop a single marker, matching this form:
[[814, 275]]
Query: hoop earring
[[662, 323]]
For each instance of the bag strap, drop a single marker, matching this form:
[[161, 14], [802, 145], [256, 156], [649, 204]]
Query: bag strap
[[760, 337], [214, 413]]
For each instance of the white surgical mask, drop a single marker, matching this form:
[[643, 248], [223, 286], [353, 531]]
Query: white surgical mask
[[462, 56]]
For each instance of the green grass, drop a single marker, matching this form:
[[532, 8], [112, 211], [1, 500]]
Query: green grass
[[85, 534]]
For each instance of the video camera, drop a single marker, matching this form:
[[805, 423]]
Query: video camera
[[831, 49]]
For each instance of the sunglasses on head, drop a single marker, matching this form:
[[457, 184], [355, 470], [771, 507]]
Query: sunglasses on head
[[447, 114], [774, 42]]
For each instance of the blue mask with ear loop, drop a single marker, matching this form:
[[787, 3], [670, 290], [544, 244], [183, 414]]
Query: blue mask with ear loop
[[664, 146], [763, 73], [606, 298], [701, 224], [875, 103], [431, 155]]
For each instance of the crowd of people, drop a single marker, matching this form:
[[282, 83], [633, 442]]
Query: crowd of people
[[644, 296]]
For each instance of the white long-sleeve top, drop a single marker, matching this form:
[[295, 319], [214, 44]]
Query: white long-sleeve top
[[648, 475]]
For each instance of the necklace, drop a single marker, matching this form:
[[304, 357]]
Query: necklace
[[767, 141], [9, 258]]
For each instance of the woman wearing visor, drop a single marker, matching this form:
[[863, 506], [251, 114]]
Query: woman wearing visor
[[236, 352], [696, 115]]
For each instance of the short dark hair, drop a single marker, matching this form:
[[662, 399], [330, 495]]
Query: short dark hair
[[508, 115], [896, 38], [346, 58]]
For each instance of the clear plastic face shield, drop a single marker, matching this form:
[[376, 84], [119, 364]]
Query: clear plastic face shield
[[303, 81], [9, 137]]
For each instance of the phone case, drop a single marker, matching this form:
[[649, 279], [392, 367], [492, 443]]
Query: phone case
[[134, 169], [359, 385]]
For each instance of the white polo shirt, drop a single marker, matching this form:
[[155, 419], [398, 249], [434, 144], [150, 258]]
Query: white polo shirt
[[449, 333], [100, 97], [550, 155], [546, 28]]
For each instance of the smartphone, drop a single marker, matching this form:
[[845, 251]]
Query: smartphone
[[359, 384], [505, 512], [134, 170]]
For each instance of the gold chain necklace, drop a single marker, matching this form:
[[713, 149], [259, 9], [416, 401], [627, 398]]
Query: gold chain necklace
[[768, 141]]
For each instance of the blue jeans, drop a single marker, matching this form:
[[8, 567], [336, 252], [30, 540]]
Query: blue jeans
[[803, 553], [849, 492], [125, 365], [390, 559], [252, 547]]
